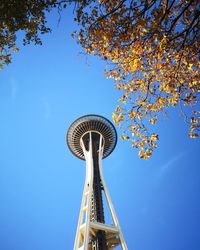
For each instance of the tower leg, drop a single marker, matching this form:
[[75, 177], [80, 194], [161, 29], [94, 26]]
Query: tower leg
[[82, 232]]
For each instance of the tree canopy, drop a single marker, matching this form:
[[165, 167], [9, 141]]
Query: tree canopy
[[26, 15], [152, 52], [151, 48]]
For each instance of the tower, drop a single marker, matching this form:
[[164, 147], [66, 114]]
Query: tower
[[92, 138]]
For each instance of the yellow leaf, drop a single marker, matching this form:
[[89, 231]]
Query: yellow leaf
[[154, 137], [145, 154], [132, 114], [153, 120], [194, 120], [160, 100], [134, 64], [193, 135], [118, 109], [158, 65], [123, 137], [167, 89], [114, 116], [119, 118], [146, 75], [122, 100], [190, 66]]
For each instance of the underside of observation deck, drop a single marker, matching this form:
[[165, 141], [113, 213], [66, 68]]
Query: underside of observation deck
[[93, 123]]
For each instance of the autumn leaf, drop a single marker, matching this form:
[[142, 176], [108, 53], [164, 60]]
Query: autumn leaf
[[154, 137], [118, 118], [153, 120], [160, 100], [193, 135]]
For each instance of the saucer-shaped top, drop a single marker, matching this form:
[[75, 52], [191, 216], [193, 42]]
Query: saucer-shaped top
[[93, 123]]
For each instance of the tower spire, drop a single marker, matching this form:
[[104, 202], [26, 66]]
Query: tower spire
[[92, 138]]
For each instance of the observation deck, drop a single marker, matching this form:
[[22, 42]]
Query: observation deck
[[91, 123]]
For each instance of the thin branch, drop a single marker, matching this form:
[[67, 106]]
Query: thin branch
[[178, 17], [108, 14]]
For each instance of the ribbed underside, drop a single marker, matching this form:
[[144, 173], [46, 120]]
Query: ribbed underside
[[91, 123]]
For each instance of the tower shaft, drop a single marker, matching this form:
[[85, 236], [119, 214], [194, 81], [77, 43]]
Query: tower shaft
[[97, 211], [92, 231]]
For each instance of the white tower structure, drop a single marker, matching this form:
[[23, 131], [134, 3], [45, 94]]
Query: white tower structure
[[92, 138]]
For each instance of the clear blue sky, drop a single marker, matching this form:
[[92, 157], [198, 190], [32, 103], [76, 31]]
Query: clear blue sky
[[41, 93]]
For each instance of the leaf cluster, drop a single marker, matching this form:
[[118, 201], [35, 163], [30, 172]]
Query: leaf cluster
[[152, 52], [26, 15]]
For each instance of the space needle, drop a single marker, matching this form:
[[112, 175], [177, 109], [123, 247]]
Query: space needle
[[93, 138]]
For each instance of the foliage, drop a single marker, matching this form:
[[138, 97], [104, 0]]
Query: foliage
[[152, 49], [26, 15]]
